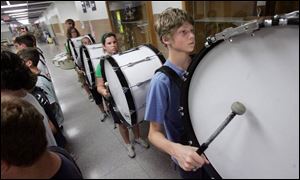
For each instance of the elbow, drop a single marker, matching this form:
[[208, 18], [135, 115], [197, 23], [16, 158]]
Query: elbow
[[150, 135]]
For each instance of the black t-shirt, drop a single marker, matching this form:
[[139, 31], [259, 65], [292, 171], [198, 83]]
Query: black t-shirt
[[68, 168]]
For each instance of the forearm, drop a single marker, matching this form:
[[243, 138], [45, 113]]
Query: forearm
[[101, 90], [159, 140]]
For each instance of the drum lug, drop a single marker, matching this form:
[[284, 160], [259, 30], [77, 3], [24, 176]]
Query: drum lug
[[125, 89], [180, 109], [115, 109], [131, 112], [115, 68], [185, 76]]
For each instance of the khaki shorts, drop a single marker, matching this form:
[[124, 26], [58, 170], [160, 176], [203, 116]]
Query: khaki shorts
[[81, 78]]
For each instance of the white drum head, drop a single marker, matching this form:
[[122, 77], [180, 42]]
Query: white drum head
[[91, 58], [130, 81], [262, 72], [116, 90], [75, 44]]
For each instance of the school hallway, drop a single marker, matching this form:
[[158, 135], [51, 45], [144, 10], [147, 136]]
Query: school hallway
[[98, 148]]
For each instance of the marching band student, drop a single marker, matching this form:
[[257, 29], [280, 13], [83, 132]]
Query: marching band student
[[84, 41], [175, 30], [110, 45], [94, 94], [69, 23]]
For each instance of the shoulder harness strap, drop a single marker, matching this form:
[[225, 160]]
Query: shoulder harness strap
[[171, 74]]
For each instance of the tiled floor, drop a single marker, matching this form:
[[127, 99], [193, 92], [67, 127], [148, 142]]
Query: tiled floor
[[97, 146]]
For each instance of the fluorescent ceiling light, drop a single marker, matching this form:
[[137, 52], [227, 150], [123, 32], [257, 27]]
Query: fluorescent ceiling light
[[23, 21], [22, 18], [23, 15], [15, 11], [16, 14], [14, 5]]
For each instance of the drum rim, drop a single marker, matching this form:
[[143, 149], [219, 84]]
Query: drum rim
[[73, 46], [84, 50], [186, 85], [184, 99], [124, 83], [128, 94], [69, 46], [184, 95], [157, 52]]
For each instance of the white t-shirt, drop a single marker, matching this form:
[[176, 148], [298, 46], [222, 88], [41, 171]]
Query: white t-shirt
[[50, 138]]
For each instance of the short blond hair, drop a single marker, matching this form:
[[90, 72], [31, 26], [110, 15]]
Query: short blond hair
[[170, 20]]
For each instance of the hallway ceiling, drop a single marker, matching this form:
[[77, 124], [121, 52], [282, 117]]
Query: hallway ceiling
[[12, 11]]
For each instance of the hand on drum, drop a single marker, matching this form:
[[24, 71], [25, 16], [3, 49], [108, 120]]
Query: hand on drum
[[106, 93], [188, 159]]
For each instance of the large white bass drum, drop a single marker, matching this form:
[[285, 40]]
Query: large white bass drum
[[90, 58], [129, 74], [262, 72], [74, 45]]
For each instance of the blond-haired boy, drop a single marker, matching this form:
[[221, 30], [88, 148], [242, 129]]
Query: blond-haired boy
[[175, 29]]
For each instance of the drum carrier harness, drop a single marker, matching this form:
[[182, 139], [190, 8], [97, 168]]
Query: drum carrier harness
[[209, 171]]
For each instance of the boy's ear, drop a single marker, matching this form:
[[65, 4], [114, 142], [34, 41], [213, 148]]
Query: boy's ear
[[23, 46], [165, 39], [28, 63]]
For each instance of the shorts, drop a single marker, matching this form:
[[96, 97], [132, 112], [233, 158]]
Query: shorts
[[97, 96], [81, 78], [113, 113]]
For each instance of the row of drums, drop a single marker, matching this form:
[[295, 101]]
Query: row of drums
[[260, 70]]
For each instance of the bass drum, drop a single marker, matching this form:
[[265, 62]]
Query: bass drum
[[128, 75], [74, 45], [90, 58], [262, 72]]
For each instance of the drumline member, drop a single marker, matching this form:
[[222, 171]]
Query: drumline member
[[176, 32], [93, 93], [72, 32], [110, 46], [69, 23], [85, 41]]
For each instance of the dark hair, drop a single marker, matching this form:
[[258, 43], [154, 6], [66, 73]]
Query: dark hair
[[23, 135], [70, 21], [69, 36], [24, 27], [30, 54], [15, 75], [107, 35], [27, 39]]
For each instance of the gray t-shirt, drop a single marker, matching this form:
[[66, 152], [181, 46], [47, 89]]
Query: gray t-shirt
[[42, 66], [47, 86], [50, 138]]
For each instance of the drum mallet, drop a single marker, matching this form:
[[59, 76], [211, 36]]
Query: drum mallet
[[237, 109], [109, 101]]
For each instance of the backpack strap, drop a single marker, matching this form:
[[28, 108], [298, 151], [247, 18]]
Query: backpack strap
[[45, 77], [173, 76]]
